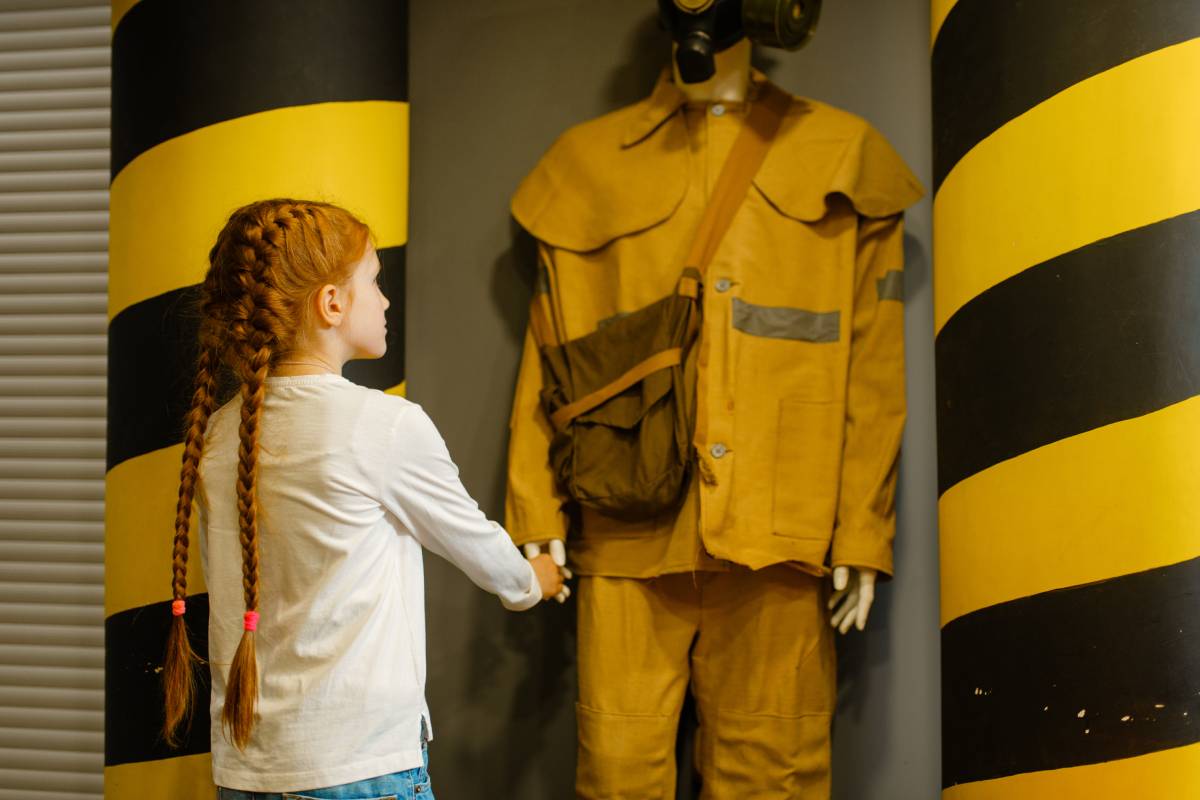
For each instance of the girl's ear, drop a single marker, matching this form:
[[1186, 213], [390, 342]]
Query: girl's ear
[[330, 305]]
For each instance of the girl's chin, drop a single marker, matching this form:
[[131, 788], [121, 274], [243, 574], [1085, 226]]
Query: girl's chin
[[370, 352]]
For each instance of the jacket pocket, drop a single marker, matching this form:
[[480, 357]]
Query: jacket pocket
[[808, 462]]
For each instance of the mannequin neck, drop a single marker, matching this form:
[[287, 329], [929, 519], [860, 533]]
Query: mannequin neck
[[728, 84]]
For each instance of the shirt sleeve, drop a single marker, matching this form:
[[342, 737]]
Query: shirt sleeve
[[421, 487], [875, 403]]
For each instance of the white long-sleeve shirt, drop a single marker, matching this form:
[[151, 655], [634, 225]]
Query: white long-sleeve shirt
[[352, 483]]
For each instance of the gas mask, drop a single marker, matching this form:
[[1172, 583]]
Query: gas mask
[[703, 28]]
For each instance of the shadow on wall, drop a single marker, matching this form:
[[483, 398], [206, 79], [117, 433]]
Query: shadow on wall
[[541, 642], [861, 655], [917, 274], [647, 51]]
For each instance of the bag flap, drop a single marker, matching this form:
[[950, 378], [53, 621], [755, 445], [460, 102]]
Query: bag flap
[[627, 409], [590, 363]]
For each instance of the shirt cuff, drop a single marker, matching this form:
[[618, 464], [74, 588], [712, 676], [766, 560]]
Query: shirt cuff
[[529, 599]]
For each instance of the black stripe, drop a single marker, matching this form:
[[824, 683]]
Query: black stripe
[[1016, 676], [179, 66], [995, 61], [135, 642], [1102, 334], [152, 353]]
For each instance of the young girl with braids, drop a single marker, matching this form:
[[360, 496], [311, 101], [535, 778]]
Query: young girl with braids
[[314, 497]]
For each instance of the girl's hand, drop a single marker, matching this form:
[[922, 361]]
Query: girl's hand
[[558, 552], [548, 575]]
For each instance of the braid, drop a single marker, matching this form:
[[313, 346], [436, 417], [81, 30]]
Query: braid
[[254, 329], [178, 667], [252, 400]]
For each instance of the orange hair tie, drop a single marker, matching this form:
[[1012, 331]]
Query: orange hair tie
[[251, 620], [178, 607]]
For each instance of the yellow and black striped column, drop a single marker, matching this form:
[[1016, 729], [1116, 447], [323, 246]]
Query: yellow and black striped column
[[216, 104], [1067, 262]]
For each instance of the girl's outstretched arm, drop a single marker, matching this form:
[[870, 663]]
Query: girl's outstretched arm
[[423, 490]]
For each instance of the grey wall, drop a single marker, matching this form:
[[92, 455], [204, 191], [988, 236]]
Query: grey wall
[[492, 84]]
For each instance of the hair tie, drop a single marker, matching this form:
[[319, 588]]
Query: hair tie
[[178, 607], [251, 620]]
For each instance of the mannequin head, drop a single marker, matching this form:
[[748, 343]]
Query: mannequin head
[[703, 28]]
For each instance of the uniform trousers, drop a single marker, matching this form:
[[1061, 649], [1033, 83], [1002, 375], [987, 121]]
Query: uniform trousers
[[757, 650]]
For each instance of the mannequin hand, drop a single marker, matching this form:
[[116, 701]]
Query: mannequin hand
[[558, 555], [854, 592]]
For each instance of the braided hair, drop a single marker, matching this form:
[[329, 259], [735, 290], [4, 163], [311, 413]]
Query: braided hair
[[268, 262]]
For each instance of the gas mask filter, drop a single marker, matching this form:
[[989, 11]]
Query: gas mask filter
[[703, 28]]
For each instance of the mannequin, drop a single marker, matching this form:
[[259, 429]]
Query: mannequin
[[853, 587], [796, 381]]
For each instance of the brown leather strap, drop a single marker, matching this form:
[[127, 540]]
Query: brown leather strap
[[689, 283], [662, 360], [540, 320]]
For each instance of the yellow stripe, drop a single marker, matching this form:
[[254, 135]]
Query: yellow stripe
[[1171, 773], [1110, 154], [183, 778], [1116, 500], [119, 9], [938, 11], [400, 389], [139, 520], [168, 205]]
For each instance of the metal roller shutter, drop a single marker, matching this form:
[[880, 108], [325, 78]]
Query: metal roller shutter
[[54, 134]]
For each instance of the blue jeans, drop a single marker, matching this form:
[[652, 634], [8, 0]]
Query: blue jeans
[[411, 784]]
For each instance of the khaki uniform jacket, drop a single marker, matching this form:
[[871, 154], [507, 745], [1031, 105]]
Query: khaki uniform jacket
[[800, 376]]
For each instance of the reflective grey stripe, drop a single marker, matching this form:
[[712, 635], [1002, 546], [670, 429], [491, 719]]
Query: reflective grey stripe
[[891, 286], [786, 323]]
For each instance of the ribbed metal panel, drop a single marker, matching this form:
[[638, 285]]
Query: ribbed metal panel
[[54, 138]]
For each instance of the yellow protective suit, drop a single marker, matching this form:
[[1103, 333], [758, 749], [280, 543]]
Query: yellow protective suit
[[800, 389]]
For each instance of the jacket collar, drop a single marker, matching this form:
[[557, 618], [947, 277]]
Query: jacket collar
[[665, 100]]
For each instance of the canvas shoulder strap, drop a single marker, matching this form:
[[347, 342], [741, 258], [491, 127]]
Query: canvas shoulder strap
[[733, 184]]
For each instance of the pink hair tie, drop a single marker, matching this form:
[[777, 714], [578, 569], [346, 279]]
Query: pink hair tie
[[251, 620], [178, 607]]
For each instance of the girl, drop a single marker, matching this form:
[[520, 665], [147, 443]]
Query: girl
[[314, 496]]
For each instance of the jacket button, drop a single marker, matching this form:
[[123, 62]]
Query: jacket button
[[723, 285], [718, 450], [718, 110]]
